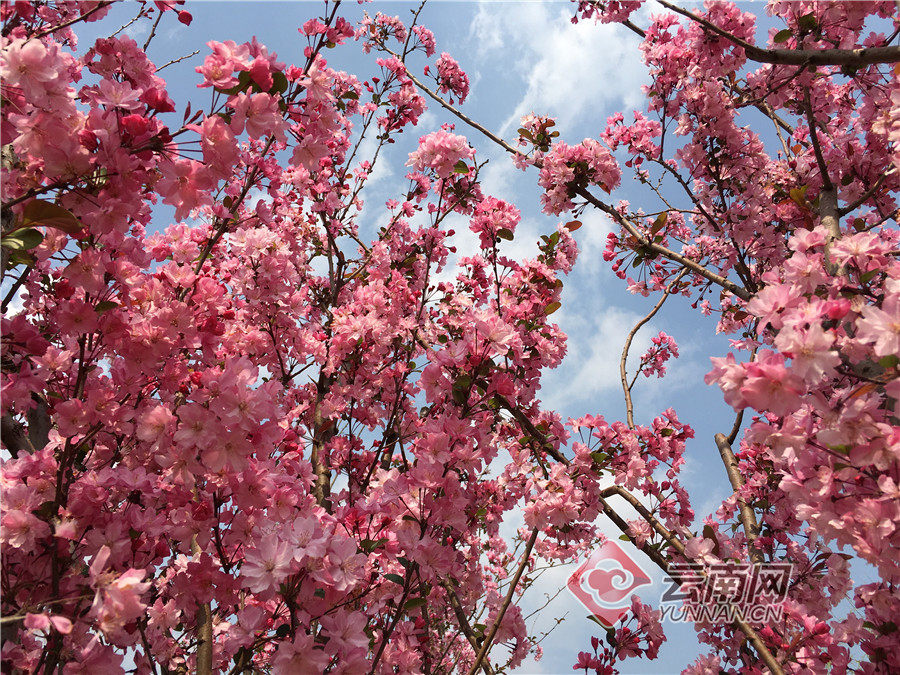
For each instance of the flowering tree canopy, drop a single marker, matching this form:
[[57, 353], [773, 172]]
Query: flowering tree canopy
[[266, 439]]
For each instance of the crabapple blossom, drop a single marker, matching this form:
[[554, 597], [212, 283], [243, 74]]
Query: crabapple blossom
[[288, 432]]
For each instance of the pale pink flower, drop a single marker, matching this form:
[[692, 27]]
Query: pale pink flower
[[882, 326], [299, 656], [770, 386], [117, 597], [440, 151], [267, 565]]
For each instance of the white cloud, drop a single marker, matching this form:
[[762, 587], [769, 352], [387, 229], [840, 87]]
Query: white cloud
[[578, 73]]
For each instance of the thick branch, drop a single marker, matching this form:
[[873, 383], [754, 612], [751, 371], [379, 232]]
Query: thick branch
[[828, 214], [851, 58], [748, 515], [204, 629]]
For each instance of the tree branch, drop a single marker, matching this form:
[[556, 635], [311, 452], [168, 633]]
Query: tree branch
[[697, 268], [464, 626], [626, 388], [66, 24], [851, 58], [747, 514], [764, 654], [204, 628], [643, 242], [489, 638]]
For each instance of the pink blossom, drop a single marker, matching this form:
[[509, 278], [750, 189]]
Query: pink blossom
[[881, 326], [299, 656], [117, 597], [267, 565], [259, 113], [699, 549], [440, 151], [450, 78], [769, 385], [568, 168]]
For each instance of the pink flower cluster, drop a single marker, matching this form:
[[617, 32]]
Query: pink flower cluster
[[450, 78], [653, 361], [567, 169], [442, 153]]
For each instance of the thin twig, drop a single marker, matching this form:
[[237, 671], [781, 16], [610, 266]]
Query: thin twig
[[626, 388], [153, 30], [642, 242], [178, 60]]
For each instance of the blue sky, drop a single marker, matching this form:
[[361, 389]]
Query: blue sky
[[521, 57]]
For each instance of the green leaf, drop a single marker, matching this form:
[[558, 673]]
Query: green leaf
[[593, 618], [22, 240], [660, 222], [351, 95], [666, 432], [279, 83], [504, 233], [413, 603], [782, 35], [889, 361], [396, 578], [46, 511], [369, 545], [599, 456], [552, 307], [808, 22], [464, 381], [460, 167], [243, 83], [799, 195], [40, 213], [105, 306], [710, 533], [624, 537], [20, 258]]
